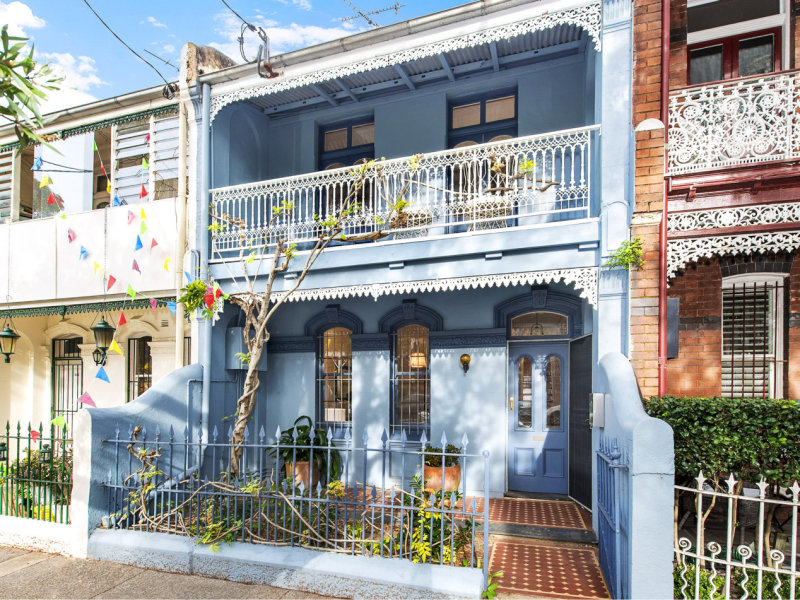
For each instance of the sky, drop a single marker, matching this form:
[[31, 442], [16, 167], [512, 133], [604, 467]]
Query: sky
[[95, 65]]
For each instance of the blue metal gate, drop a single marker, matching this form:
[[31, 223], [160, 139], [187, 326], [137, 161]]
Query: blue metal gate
[[613, 503]]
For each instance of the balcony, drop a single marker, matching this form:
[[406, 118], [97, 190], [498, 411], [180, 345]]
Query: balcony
[[734, 123], [513, 183]]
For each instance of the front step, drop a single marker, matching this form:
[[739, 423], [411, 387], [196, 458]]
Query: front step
[[556, 534]]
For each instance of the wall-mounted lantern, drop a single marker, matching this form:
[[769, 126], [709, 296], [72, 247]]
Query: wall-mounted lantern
[[465, 360], [8, 339], [3, 452], [103, 334]]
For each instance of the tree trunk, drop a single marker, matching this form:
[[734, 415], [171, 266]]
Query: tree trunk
[[245, 404]]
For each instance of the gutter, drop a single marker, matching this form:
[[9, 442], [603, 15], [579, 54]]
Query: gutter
[[662, 230]]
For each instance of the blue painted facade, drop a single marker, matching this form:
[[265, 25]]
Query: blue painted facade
[[562, 81]]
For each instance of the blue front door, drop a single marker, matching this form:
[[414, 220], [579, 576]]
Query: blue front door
[[537, 417]]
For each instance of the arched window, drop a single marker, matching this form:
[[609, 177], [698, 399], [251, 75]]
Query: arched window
[[335, 378], [539, 323], [411, 381], [140, 367]]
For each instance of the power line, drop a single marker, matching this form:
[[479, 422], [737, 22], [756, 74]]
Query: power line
[[395, 7], [169, 88], [166, 62]]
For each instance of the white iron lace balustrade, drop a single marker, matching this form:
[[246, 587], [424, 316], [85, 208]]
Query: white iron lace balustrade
[[733, 123], [512, 183]]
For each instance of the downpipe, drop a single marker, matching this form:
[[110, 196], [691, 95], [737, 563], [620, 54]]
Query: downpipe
[[662, 230], [203, 219]]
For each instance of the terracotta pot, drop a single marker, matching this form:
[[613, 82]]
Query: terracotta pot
[[301, 469], [433, 478]]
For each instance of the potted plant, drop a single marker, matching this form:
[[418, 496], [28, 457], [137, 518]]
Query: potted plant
[[296, 453], [432, 470]]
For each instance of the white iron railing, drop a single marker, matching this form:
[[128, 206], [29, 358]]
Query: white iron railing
[[476, 187], [735, 542], [734, 123]]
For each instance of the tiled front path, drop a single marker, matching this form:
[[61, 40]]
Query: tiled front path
[[543, 568]]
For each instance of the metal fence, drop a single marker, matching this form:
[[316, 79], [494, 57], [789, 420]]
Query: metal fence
[[374, 500], [36, 473], [733, 540], [613, 517], [511, 183]]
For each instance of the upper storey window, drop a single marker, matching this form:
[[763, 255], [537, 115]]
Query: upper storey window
[[346, 144], [734, 38], [480, 120]]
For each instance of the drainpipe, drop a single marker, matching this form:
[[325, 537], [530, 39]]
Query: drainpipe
[[180, 244], [662, 230], [203, 219]]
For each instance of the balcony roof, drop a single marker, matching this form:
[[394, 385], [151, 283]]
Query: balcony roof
[[479, 37]]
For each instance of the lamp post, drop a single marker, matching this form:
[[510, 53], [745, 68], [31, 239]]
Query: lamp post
[[103, 334], [8, 339]]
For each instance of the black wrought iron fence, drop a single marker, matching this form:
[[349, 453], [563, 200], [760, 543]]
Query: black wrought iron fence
[[389, 498], [36, 473]]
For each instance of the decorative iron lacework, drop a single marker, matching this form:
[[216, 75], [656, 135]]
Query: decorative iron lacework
[[583, 279], [682, 252], [587, 17], [65, 133], [740, 216], [734, 123], [72, 309]]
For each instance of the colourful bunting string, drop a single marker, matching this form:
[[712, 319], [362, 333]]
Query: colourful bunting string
[[142, 228], [145, 166], [117, 202], [51, 199], [153, 304], [147, 138], [45, 181], [34, 435], [96, 267], [87, 400], [171, 306], [115, 347], [63, 215], [37, 164], [103, 169], [102, 375], [142, 215], [138, 244], [84, 253], [95, 146], [122, 319], [166, 264], [108, 186], [131, 292], [131, 217], [135, 267], [111, 281], [143, 193], [60, 421], [71, 235], [153, 243]]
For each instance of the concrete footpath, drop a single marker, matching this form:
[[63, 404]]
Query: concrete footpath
[[25, 574]]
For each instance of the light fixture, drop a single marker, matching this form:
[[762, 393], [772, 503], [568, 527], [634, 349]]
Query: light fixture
[[8, 339], [3, 452], [103, 334], [465, 359], [416, 360]]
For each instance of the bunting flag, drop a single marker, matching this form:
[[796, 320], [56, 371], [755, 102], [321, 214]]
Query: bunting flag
[[145, 166], [153, 304], [115, 347], [87, 400], [34, 435], [138, 244], [171, 306], [111, 281], [143, 193], [71, 235], [84, 253], [63, 215], [96, 266], [103, 169], [135, 267], [45, 181], [116, 201], [51, 199], [60, 421], [142, 215], [37, 164], [95, 146], [102, 375], [217, 291], [131, 292], [188, 277], [166, 264], [108, 186], [147, 138], [142, 228], [122, 320], [153, 243], [131, 217]]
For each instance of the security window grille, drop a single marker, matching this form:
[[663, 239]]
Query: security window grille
[[67, 378], [411, 381], [752, 340], [335, 379], [140, 371]]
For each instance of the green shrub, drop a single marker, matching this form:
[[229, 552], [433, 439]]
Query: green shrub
[[744, 437], [433, 456], [686, 589]]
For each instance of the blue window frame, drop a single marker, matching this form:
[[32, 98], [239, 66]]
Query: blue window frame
[[483, 118], [345, 144], [335, 378]]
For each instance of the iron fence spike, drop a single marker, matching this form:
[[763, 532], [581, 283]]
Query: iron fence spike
[[330, 434], [365, 437], [302, 486], [246, 432], [214, 434], [277, 433], [319, 488], [403, 437], [186, 432], [262, 434], [171, 432], [444, 440], [158, 430], [423, 440], [384, 437], [464, 441], [230, 433]]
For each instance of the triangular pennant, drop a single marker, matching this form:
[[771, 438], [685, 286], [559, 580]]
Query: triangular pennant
[[71, 235], [116, 201], [51, 199], [96, 266], [37, 164], [84, 253], [188, 277], [131, 217], [217, 291], [102, 375], [60, 421], [34, 435], [145, 166], [111, 281], [131, 292], [103, 170], [108, 186], [153, 304], [143, 193], [45, 181], [95, 146], [166, 264], [147, 138], [138, 244], [142, 215], [135, 267], [153, 243], [171, 306], [63, 215], [115, 347], [142, 228], [122, 320], [87, 400]]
